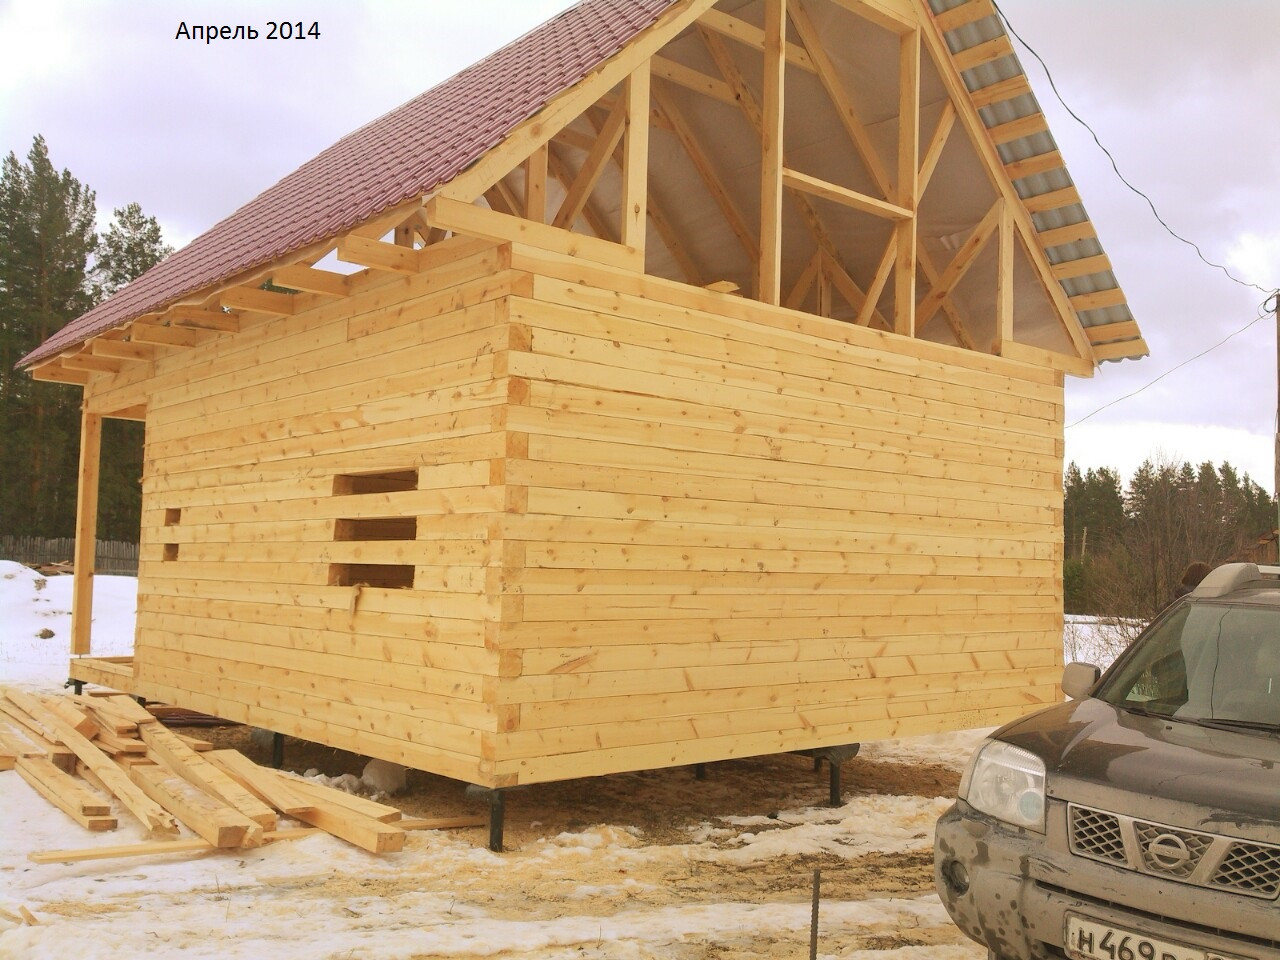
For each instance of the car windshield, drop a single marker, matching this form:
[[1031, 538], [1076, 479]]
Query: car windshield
[[1211, 663]]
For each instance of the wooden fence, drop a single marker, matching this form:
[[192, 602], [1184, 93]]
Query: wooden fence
[[110, 557]]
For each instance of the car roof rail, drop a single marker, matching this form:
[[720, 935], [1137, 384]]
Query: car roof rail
[[1228, 578]]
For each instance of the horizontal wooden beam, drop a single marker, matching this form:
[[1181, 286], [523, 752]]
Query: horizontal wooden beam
[[1017, 129], [1084, 267], [691, 79], [310, 280], [842, 195], [1098, 300], [737, 29], [122, 350], [87, 361], [1001, 91], [1122, 349], [170, 336], [1113, 331], [964, 13], [1076, 366], [54, 372], [1040, 163], [473, 221], [138, 412], [1071, 233], [980, 53], [378, 255], [259, 301], [1052, 200], [201, 319]]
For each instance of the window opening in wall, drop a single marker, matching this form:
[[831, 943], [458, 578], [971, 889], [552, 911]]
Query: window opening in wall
[[373, 529]]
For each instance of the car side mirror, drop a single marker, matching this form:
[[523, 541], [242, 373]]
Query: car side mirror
[[1078, 679]]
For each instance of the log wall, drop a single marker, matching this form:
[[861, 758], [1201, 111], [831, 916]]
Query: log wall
[[748, 531], [522, 518]]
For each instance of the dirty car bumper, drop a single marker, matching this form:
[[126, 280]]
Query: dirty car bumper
[[1017, 888]]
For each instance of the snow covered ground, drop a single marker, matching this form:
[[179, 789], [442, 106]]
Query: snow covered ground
[[731, 886]]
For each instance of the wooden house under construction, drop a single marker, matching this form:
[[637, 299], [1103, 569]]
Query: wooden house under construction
[[683, 381]]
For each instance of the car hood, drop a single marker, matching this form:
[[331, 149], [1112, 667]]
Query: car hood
[[1093, 751]]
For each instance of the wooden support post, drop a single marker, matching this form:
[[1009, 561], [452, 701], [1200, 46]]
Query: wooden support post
[[535, 186], [635, 160], [1004, 279], [86, 530], [904, 281], [771, 163]]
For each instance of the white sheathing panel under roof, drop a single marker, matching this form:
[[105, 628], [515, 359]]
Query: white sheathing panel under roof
[[1038, 143]]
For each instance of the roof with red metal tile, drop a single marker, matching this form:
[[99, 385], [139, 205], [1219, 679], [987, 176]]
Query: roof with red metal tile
[[403, 154]]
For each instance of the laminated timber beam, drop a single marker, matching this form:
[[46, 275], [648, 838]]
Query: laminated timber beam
[[53, 371], [87, 361], [158, 333], [122, 350]]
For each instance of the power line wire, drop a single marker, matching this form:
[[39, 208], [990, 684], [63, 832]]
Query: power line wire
[[1263, 310], [1114, 166]]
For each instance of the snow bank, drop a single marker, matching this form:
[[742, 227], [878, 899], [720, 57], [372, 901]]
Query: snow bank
[[35, 611]]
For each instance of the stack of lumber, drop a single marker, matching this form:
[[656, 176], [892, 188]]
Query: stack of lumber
[[82, 753]]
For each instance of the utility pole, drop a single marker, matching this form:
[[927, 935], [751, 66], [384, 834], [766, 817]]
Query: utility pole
[[1275, 309]]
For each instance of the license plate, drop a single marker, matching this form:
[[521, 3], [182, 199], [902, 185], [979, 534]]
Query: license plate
[[1091, 940]]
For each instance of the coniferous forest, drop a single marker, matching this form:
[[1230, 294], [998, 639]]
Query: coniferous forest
[[54, 265], [1126, 547]]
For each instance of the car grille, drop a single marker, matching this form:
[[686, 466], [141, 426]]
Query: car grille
[[1190, 856]]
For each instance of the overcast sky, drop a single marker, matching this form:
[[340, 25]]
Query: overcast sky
[[1185, 93]]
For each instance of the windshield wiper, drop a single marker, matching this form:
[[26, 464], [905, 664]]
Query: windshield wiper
[[1226, 723]]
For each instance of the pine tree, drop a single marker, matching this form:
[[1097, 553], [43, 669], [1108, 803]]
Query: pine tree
[[131, 246], [46, 239]]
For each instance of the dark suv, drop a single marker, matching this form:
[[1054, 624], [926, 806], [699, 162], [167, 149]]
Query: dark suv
[[1141, 820]]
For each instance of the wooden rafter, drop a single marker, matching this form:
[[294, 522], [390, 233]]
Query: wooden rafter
[[840, 98], [374, 254], [560, 170], [543, 125], [199, 318], [706, 170], [804, 283], [883, 15], [964, 258], [751, 110], [746, 33], [657, 215], [311, 280], [1001, 176], [937, 143], [268, 301], [591, 169], [691, 79], [878, 281]]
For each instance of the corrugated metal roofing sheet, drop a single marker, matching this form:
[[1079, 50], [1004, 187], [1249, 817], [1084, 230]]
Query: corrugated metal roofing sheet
[[1039, 143], [402, 154]]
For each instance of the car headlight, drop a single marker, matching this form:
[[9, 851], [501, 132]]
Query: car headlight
[[1006, 782]]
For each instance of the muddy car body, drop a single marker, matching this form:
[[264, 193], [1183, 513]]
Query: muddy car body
[[1141, 820]]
